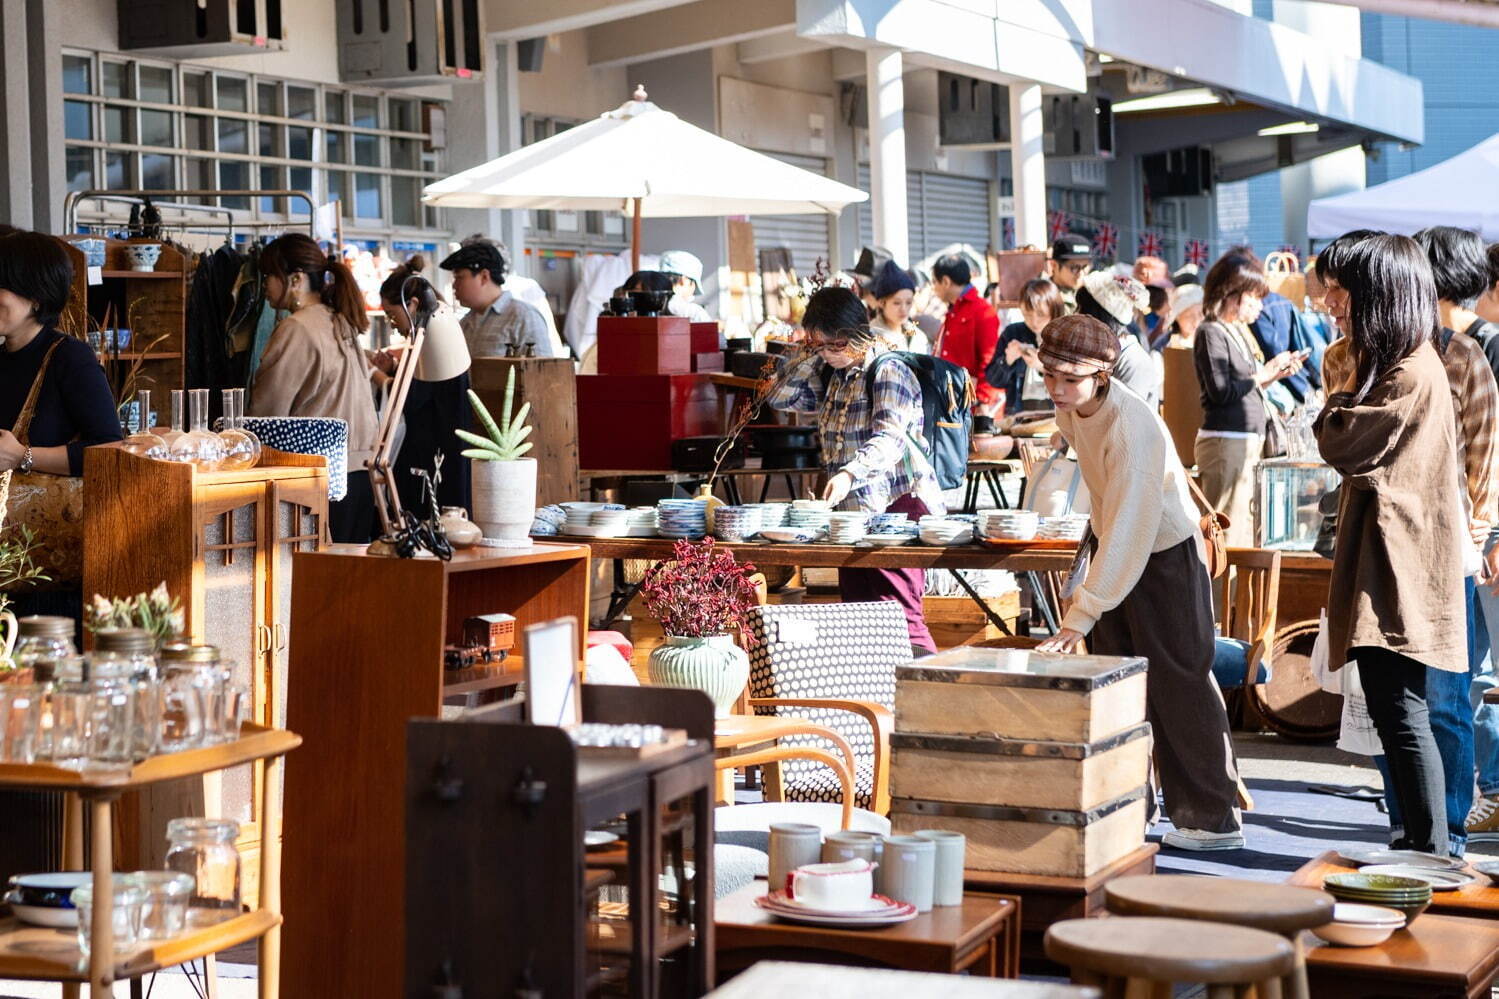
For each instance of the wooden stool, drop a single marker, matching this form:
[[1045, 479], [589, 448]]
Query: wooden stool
[[1141, 957], [1278, 909]]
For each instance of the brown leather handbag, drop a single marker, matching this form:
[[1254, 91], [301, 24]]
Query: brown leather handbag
[[50, 505], [1214, 528]]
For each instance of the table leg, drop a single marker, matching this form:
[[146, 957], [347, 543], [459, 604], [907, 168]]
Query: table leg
[[996, 489], [642, 896], [702, 886], [622, 594], [983, 604], [970, 493], [270, 879], [102, 934], [1043, 601], [1296, 986], [72, 831]]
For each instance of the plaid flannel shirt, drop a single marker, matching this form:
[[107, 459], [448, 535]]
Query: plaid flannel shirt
[[871, 435], [1475, 404]]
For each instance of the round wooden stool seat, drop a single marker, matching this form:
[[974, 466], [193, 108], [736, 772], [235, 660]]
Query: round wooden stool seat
[[1169, 950], [1277, 908]]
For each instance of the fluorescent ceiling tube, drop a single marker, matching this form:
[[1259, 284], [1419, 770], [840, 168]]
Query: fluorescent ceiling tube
[[1191, 98], [1290, 128]]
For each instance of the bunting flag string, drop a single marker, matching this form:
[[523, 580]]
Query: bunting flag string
[[1057, 223], [1106, 239], [1197, 252], [1111, 239], [1150, 244]]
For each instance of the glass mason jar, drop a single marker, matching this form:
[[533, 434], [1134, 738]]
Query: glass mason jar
[[128, 656], [127, 900], [190, 693], [20, 715], [44, 646], [200, 446], [204, 849]]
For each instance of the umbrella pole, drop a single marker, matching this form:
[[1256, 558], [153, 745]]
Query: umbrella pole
[[635, 239]]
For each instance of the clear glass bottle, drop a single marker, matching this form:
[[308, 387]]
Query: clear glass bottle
[[45, 653], [199, 446], [127, 656], [141, 440], [204, 848], [170, 435], [241, 447], [190, 694]]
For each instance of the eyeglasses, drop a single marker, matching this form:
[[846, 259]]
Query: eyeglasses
[[833, 345], [1075, 266]]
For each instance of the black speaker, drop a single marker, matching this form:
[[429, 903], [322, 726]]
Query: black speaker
[[528, 53]]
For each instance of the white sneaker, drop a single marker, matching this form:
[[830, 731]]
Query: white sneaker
[[1202, 840]]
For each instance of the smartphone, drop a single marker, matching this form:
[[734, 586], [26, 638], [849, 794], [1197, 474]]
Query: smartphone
[[1304, 354]]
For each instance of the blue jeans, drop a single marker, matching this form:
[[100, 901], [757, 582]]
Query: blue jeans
[[1447, 700], [1482, 670]]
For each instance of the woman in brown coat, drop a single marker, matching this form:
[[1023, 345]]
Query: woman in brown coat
[[1395, 603]]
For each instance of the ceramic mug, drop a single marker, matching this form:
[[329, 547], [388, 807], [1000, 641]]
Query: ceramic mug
[[910, 869], [841, 887], [947, 881], [792, 845], [850, 844]]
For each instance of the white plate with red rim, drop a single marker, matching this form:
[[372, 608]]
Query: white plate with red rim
[[874, 905], [891, 912]]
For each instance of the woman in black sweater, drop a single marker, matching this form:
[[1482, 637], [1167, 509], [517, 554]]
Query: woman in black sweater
[[1232, 374], [1015, 355]]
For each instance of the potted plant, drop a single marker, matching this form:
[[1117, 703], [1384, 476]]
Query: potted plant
[[700, 596], [504, 482], [158, 612], [16, 568]]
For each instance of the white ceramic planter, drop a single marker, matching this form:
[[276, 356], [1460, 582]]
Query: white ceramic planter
[[505, 497], [714, 665]]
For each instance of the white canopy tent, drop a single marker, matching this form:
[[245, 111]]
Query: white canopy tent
[[641, 159], [1456, 192]]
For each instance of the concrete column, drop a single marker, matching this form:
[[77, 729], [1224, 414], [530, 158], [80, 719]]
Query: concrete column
[[1028, 164], [887, 152], [507, 91], [45, 29], [15, 116]]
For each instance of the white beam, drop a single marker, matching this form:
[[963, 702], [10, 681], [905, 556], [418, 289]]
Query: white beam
[[781, 45], [520, 19], [1479, 15], [1028, 165], [687, 28], [887, 152]]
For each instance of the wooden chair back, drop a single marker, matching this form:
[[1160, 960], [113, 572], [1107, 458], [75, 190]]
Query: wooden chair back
[[1249, 593]]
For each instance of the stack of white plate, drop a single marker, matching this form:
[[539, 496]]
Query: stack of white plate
[[610, 522], [1010, 525], [579, 515], [810, 514], [736, 523], [847, 528], [772, 514], [640, 522], [942, 533], [878, 910], [1068, 528], [682, 518]]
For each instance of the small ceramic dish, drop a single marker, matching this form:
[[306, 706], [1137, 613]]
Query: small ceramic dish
[[1355, 925], [51, 890], [1489, 869], [43, 915], [789, 535]]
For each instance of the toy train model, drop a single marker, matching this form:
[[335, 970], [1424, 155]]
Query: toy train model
[[487, 639]]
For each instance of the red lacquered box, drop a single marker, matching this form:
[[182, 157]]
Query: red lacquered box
[[644, 345], [627, 422]]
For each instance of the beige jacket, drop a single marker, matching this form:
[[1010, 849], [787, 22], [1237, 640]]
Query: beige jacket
[[313, 366]]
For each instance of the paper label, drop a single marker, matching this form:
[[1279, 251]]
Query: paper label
[[96, 275]]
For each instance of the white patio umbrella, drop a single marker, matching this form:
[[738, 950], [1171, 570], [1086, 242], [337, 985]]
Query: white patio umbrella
[[646, 161]]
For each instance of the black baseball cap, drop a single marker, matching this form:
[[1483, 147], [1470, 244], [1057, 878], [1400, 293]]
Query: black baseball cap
[[475, 257], [1069, 247]]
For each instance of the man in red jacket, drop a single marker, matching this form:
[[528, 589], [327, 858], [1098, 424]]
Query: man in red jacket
[[971, 330]]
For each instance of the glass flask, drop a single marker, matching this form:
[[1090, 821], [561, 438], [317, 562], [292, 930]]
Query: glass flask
[[142, 441], [241, 447], [204, 849], [200, 446], [170, 435]]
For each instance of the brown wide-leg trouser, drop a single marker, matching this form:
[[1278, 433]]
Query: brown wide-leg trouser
[[1168, 619]]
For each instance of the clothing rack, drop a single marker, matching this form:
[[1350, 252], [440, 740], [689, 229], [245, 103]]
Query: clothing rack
[[70, 207]]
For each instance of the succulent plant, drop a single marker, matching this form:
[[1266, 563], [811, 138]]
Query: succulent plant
[[506, 441]]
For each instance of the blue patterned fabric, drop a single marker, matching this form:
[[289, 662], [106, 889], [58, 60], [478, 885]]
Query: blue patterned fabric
[[309, 435]]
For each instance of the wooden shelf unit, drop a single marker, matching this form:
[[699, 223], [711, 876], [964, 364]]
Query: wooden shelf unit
[[33, 952]]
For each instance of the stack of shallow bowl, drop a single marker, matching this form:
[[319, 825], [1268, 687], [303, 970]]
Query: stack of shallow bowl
[[736, 523], [1409, 896], [891, 523], [1068, 528], [811, 515], [610, 522], [1010, 525], [682, 518], [941, 532], [640, 522], [579, 518], [847, 528], [772, 514]]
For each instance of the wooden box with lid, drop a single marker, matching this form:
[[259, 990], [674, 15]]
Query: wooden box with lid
[[1040, 760]]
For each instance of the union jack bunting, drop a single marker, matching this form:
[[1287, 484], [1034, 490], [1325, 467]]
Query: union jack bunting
[[1150, 245], [1105, 240], [1197, 252], [1057, 223]]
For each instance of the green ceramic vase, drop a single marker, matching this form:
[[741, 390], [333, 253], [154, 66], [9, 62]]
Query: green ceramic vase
[[714, 665]]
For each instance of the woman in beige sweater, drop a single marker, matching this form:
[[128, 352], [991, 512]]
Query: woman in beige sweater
[[313, 365], [1147, 558]]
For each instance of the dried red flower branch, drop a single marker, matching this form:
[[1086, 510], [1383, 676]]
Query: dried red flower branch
[[700, 592]]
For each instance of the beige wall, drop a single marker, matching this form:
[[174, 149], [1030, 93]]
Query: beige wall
[[567, 87]]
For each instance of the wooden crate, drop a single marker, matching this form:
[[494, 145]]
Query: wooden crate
[[1023, 774], [550, 385], [1050, 842], [956, 621]]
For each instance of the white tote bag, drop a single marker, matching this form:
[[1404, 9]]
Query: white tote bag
[[1357, 733], [1056, 488]]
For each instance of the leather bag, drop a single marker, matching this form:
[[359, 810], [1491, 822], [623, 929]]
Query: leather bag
[[1214, 529]]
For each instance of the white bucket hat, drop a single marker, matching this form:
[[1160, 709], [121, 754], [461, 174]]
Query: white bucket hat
[[683, 263]]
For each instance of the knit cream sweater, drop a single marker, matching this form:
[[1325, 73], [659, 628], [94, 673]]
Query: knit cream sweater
[[1140, 502]]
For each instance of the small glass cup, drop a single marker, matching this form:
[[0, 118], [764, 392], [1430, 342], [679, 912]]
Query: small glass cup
[[127, 899], [67, 723], [20, 717], [164, 908], [111, 726], [236, 709], [204, 849], [187, 682]]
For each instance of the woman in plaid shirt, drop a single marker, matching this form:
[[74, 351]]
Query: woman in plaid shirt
[[872, 445]]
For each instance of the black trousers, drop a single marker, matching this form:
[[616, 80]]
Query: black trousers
[[351, 520], [1168, 619], [1395, 689]]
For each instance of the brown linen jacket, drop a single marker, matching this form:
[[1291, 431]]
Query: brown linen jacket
[[1397, 572]]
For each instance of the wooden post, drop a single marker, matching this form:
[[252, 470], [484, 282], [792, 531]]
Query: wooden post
[[101, 939], [635, 239], [270, 879]]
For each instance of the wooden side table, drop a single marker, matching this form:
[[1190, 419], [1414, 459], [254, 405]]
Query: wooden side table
[[982, 935], [1479, 899], [1438, 957]]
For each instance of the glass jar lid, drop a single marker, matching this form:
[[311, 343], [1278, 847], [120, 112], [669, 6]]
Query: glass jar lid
[[183, 652], [44, 626], [129, 641], [198, 829]]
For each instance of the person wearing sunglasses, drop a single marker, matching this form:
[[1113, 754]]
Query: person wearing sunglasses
[[869, 419], [1071, 256]]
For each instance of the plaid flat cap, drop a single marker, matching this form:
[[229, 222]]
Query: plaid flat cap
[[1079, 345]]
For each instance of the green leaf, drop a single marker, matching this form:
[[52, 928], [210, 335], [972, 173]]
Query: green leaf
[[480, 454], [485, 420], [478, 441]]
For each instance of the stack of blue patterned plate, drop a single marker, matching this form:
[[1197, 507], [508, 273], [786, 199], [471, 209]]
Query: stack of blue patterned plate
[[736, 523], [682, 518]]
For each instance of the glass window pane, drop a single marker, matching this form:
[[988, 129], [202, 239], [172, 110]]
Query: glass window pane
[[404, 199], [77, 74], [80, 168], [116, 76], [367, 196], [119, 171], [333, 107], [300, 179], [269, 140], [156, 128], [301, 102], [337, 148], [234, 136], [156, 84], [366, 111], [78, 120], [299, 143], [367, 150], [197, 133], [158, 172], [338, 190], [402, 116], [195, 90], [234, 94], [268, 99], [119, 124], [234, 176], [404, 154], [197, 175]]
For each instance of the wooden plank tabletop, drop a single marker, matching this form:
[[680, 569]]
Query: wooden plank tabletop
[[1480, 899], [785, 978], [912, 556], [1437, 955]]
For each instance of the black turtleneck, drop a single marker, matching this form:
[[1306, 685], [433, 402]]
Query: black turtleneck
[[75, 407]]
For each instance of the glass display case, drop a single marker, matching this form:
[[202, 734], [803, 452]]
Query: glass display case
[[1285, 502]]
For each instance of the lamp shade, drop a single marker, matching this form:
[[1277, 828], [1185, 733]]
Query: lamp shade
[[445, 352]]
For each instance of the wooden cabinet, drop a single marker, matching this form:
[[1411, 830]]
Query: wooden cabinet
[[223, 543]]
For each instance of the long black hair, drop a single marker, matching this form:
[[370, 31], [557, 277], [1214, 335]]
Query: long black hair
[[837, 312], [1392, 305]]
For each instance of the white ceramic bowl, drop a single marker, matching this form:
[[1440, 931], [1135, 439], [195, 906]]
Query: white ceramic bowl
[[41, 915], [1358, 925]]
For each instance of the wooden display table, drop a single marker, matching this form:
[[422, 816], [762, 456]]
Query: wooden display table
[[982, 934], [368, 657], [785, 978], [1479, 899], [32, 952], [1438, 957]]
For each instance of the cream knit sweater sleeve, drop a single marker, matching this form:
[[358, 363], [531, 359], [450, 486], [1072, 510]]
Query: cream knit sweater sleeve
[[1128, 463]]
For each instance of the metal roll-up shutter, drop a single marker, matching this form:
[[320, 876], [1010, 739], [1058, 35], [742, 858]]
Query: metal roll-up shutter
[[808, 237], [942, 209]]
